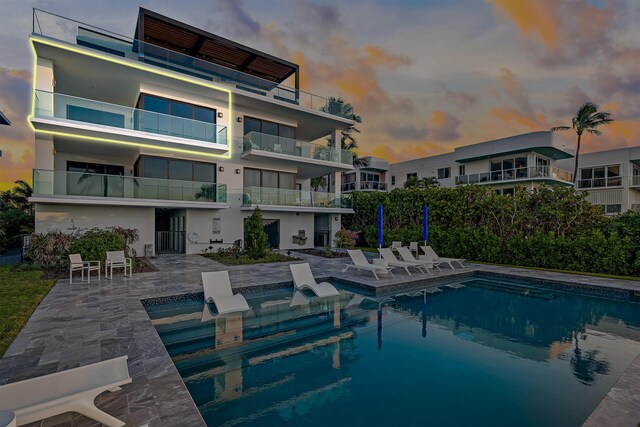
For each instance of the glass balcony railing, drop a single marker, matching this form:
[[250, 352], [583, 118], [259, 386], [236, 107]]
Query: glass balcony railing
[[75, 32], [46, 182], [635, 181], [525, 173], [612, 181], [48, 104], [277, 144], [285, 197], [365, 186]]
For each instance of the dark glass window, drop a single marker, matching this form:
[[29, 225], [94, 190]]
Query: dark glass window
[[287, 180], [251, 177], [496, 166], [287, 131], [180, 109], [95, 168], [181, 169], [270, 128], [204, 114], [270, 179], [204, 172], [158, 105], [251, 125], [156, 168]]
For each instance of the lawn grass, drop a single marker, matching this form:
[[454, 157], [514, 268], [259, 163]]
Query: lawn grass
[[20, 294], [555, 270], [227, 258]]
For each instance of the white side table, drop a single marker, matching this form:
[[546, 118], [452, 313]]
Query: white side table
[[381, 263], [8, 419]]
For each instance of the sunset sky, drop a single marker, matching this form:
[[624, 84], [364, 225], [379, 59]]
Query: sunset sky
[[426, 76]]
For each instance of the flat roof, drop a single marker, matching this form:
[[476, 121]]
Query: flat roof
[[160, 30]]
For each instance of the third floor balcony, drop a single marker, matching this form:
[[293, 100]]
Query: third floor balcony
[[531, 173], [88, 117]]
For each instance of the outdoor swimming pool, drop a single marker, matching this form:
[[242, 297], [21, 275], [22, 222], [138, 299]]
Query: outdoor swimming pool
[[496, 352]]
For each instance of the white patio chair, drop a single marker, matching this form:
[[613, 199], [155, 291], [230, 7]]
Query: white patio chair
[[413, 247], [359, 262], [116, 259], [73, 390], [217, 289], [76, 264], [388, 256], [303, 279], [395, 245], [427, 263], [428, 250]]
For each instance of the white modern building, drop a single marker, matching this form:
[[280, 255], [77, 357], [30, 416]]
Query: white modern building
[[611, 177], [180, 134], [370, 174], [529, 160]]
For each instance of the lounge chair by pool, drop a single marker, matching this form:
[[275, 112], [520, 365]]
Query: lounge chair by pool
[[303, 279], [360, 262], [217, 289], [406, 255], [388, 256], [428, 250]]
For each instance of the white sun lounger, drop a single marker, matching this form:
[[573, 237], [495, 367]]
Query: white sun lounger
[[303, 279], [395, 245], [217, 289], [388, 256], [73, 390], [360, 262], [428, 250], [408, 256]]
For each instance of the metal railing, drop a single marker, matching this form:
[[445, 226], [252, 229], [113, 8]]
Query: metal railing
[[49, 104], [615, 181], [293, 147], [635, 181], [79, 33], [364, 186], [531, 172], [47, 182], [285, 197]]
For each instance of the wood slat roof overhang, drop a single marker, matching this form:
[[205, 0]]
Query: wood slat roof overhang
[[168, 33]]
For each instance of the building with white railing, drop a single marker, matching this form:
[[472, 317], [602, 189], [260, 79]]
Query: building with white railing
[[369, 175], [180, 134]]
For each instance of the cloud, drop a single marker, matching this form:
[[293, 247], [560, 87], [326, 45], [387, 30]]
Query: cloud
[[236, 21], [515, 91], [518, 121], [406, 131], [460, 99], [443, 126], [573, 98], [618, 80], [561, 32]]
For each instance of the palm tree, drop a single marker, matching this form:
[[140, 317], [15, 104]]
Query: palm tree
[[588, 119], [421, 183], [20, 195], [338, 107]]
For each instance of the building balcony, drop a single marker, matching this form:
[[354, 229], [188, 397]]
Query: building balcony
[[364, 186], [280, 199], [635, 182], [318, 159], [514, 176], [91, 118], [597, 183], [107, 42], [98, 189]]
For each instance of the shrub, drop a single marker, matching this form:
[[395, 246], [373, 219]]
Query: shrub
[[255, 238], [50, 249], [93, 244], [346, 238]]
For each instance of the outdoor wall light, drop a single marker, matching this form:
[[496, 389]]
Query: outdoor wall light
[[239, 119], [238, 171], [219, 115], [335, 218], [221, 169]]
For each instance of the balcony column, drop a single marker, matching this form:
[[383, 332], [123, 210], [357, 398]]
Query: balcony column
[[335, 221]]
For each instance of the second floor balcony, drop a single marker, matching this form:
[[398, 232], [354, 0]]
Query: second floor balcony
[[91, 188], [364, 186], [295, 200], [531, 173], [320, 159], [88, 117]]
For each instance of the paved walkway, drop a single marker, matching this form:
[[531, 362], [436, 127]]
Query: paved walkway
[[81, 324]]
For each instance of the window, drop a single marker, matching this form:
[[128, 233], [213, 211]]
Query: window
[[612, 209], [412, 175], [444, 173], [176, 108], [269, 128], [269, 179], [393, 180], [600, 176], [95, 168], [183, 170], [507, 169], [462, 170], [171, 121], [505, 191]]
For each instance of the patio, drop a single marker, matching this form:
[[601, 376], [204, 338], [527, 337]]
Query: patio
[[81, 324]]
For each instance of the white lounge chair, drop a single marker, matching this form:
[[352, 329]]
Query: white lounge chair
[[388, 256], [303, 279], [73, 390], [116, 259], [428, 250], [406, 255], [413, 247], [217, 289], [360, 262], [76, 264], [395, 245]]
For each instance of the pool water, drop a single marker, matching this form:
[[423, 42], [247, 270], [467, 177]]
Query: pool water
[[492, 353]]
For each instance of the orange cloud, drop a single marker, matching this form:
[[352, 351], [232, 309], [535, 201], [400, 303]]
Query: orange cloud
[[532, 18]]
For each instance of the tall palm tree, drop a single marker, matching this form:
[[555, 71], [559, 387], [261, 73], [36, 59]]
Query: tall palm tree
[[338, 107], [20, 195], [587, 119]]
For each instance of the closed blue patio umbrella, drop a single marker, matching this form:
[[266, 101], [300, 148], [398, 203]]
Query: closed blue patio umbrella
[[425, 224], [380, 226]]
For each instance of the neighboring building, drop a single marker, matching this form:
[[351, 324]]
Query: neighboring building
[[180, 134], [611, 177], [529, 160], [370, 176]]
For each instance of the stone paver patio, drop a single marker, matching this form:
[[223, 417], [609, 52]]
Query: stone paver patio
[[84, 323]]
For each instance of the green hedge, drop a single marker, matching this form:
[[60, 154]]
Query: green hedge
[[551, 227]]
